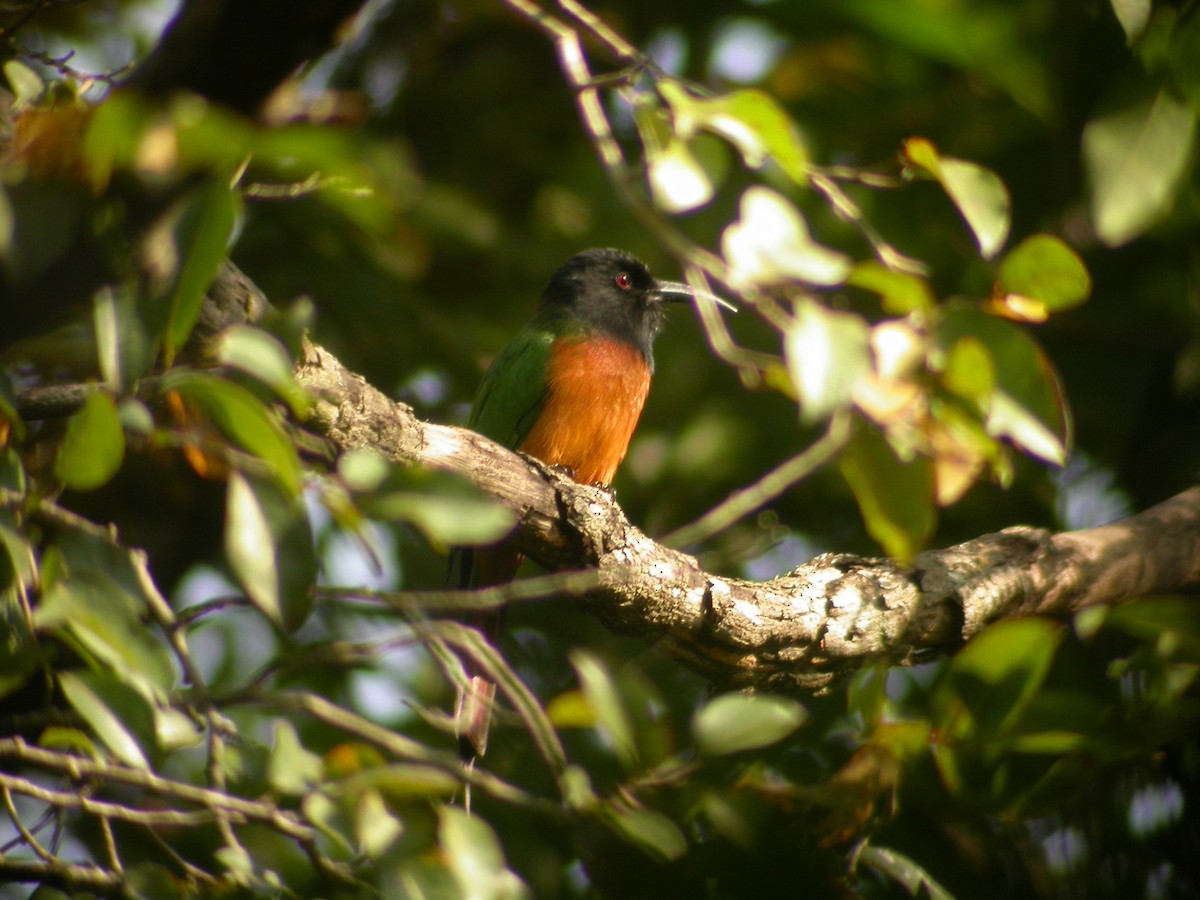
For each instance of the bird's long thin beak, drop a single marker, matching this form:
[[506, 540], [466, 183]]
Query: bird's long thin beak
[[676, 291]]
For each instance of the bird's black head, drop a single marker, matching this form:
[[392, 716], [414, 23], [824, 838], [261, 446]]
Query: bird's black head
[[612, 293]]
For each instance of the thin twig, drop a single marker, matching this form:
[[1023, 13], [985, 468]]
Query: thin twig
[[26, 835], [746, 500], [539, 587]]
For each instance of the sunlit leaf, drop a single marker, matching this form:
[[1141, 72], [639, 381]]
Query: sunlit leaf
[[896, 497], [735, 722], [1136, 157], [900, 292], [174, 730], [475, 857], [571, 709], [977, 191], [448, 509], [94, 446], [827, 352], [262, 356], [363, 469], [1133, 16], [102, 720], [26, 84], [770, 244], [269, 545], [678, 182], [750, 119], [969, 371], [375, 828], [291, 769], [1042, 268], [124, 345]]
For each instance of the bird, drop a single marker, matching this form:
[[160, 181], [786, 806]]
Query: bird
[[568, 390]]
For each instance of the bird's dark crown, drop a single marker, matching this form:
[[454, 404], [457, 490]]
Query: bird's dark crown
[[611, 293]]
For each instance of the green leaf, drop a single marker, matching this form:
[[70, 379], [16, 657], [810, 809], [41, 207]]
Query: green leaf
[[602, 694], [201, 237], [980, 195], [901, 292], [1043, 268], [269, 545], [902, 869], [1133, 16], [735, 722], [19, 652], [653, 832], [291, 769], [26, 84], [475, 857], [1170, 624], [21, 568], [363, 469], [243, 418], [969, 372], [1026, 404], [94, 446], [263, 357], [406, 781], [105, 619], [114, 134], [447, 521], [989, 684], [57, 737], [1184, 59], [678, 182], [447, 508], [827, 352], [1136, 158], [102, 720], [770, 244], [125, 348], [375, 828], [749, 119], [896, 498]]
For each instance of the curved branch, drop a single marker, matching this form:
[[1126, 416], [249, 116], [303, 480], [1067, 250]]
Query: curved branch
[[797, 632]]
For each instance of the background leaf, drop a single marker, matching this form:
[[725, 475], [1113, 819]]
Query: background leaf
[[94, 445]]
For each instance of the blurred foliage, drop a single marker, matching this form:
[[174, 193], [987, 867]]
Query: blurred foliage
[[406, 197]]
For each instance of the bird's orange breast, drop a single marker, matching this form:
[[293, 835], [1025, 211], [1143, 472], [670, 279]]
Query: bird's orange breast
[[596, 388]]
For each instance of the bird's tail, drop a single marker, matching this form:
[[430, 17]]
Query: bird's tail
[[482, 567]]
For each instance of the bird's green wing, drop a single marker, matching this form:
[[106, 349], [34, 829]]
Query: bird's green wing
[[514, 388]]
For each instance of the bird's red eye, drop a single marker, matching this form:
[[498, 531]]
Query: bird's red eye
[[624, 282]]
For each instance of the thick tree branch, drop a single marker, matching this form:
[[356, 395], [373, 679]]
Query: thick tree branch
[[797, 632]]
